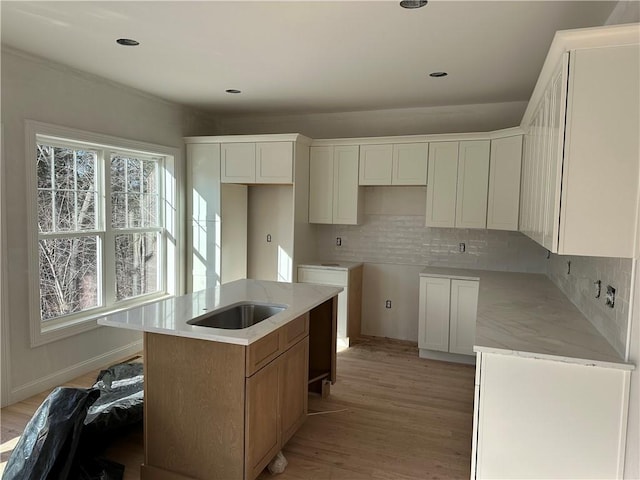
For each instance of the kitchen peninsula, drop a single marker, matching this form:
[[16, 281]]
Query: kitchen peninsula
[[221, 403]]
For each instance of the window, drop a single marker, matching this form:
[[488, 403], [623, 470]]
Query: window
[[103, 217]]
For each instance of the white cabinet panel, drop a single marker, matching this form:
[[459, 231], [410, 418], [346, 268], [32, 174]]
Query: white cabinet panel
[[321, 185], [504, 183], [203, 176], [346, 201], [274, 162], [433, 324], [410, 162], [549, 419], [375, 164], [238, 162], [442, 184], [473, 184], [464, 310]]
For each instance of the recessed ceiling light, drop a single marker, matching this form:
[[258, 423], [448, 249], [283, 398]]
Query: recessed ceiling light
[[413, 3], [127, 42], [438, 74], [233, 90]]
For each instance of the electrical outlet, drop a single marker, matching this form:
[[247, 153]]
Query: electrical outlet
[[597, 288], [338, 241], [610, 299], [462, 247], [268, 238], [387, 304], [568, 268]]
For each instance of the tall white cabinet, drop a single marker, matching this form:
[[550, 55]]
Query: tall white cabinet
[[580, 173]]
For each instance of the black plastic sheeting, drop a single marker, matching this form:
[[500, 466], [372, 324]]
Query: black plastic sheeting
[[71, 427]]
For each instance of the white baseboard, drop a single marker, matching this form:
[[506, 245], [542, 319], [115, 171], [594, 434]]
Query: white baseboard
[[447, 357], [58, 378]]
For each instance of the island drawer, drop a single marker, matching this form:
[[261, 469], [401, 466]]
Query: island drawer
[[260, 353]]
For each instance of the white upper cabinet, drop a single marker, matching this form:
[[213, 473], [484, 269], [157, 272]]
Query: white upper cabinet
[[238, 163], [410, 164], [504, 183], [266, 162], [394, 164], [334, 194], [443, 181], [473, 184], [580, 170], [376, 164]]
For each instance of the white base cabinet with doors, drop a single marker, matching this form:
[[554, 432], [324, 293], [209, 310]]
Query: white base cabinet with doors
[[334, 194], [447, 317], [580, 169]]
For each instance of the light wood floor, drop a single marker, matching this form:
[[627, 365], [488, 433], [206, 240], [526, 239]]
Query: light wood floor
[[395, 417]]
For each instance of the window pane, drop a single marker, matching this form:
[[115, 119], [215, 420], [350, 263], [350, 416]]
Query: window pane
[[150, 211], [150, 176], [68, 275], [118, 174], [44, 166], [45, 203], [86, 168], [86, 210], [136, 264], [134, 211], [134, 175], [119, 210], [64, 168], [64, 212]]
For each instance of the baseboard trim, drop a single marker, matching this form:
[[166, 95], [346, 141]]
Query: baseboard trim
[[447, 357], [57, 378]]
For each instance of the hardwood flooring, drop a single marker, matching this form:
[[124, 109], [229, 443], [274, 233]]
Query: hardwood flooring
[[391, 415]]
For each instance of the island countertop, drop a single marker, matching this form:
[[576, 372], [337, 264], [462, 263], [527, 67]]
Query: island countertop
[[170, 316], [525, 314]]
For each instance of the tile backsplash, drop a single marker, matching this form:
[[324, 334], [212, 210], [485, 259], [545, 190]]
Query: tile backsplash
[[393, 231], [579, 287]]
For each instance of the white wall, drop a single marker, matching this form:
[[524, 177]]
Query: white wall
[[378, 123], [39, 90]]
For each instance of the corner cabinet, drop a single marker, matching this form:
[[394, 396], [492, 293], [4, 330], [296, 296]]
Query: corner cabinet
[[458, 184], [447, 317], [580, 171], [334, 194]]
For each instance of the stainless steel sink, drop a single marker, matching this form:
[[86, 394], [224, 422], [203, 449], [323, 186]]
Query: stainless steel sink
[[239, 315]]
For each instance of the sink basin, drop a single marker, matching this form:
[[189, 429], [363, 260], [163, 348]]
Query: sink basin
[[239, 315]]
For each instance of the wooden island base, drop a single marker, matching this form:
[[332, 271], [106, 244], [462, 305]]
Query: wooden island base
[[221, 410]]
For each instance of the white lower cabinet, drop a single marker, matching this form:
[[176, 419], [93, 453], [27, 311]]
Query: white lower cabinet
[[447, 315], [544, 418]]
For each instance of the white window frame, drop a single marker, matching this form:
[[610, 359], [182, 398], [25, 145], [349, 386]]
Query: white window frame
[[172, 283]]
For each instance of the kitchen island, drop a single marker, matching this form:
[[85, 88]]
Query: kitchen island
[[221, 403]]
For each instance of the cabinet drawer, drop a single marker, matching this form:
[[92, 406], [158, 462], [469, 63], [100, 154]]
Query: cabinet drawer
[[262, 352], [323, 277], [294, 331]]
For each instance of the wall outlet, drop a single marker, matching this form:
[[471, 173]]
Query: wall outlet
[[387, 304], [338, 241], [597, 288], [568, 268], [462, 247], [610, 299], [268, 238]]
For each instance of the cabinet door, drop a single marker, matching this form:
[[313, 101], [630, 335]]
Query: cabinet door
[[433, 317], [274, 162], [294, 375], [321, 185], [504, 183], [441, 188], [473, 184], [238, 163], [464, 310], [346, 191], [375, 164], [262, 425], [410, 162]]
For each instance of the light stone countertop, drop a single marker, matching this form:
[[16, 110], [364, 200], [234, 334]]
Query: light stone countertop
[[525, 314], [329, 265], [170, 316]]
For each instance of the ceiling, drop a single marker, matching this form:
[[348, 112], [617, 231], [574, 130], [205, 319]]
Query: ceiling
[[303, 57]]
